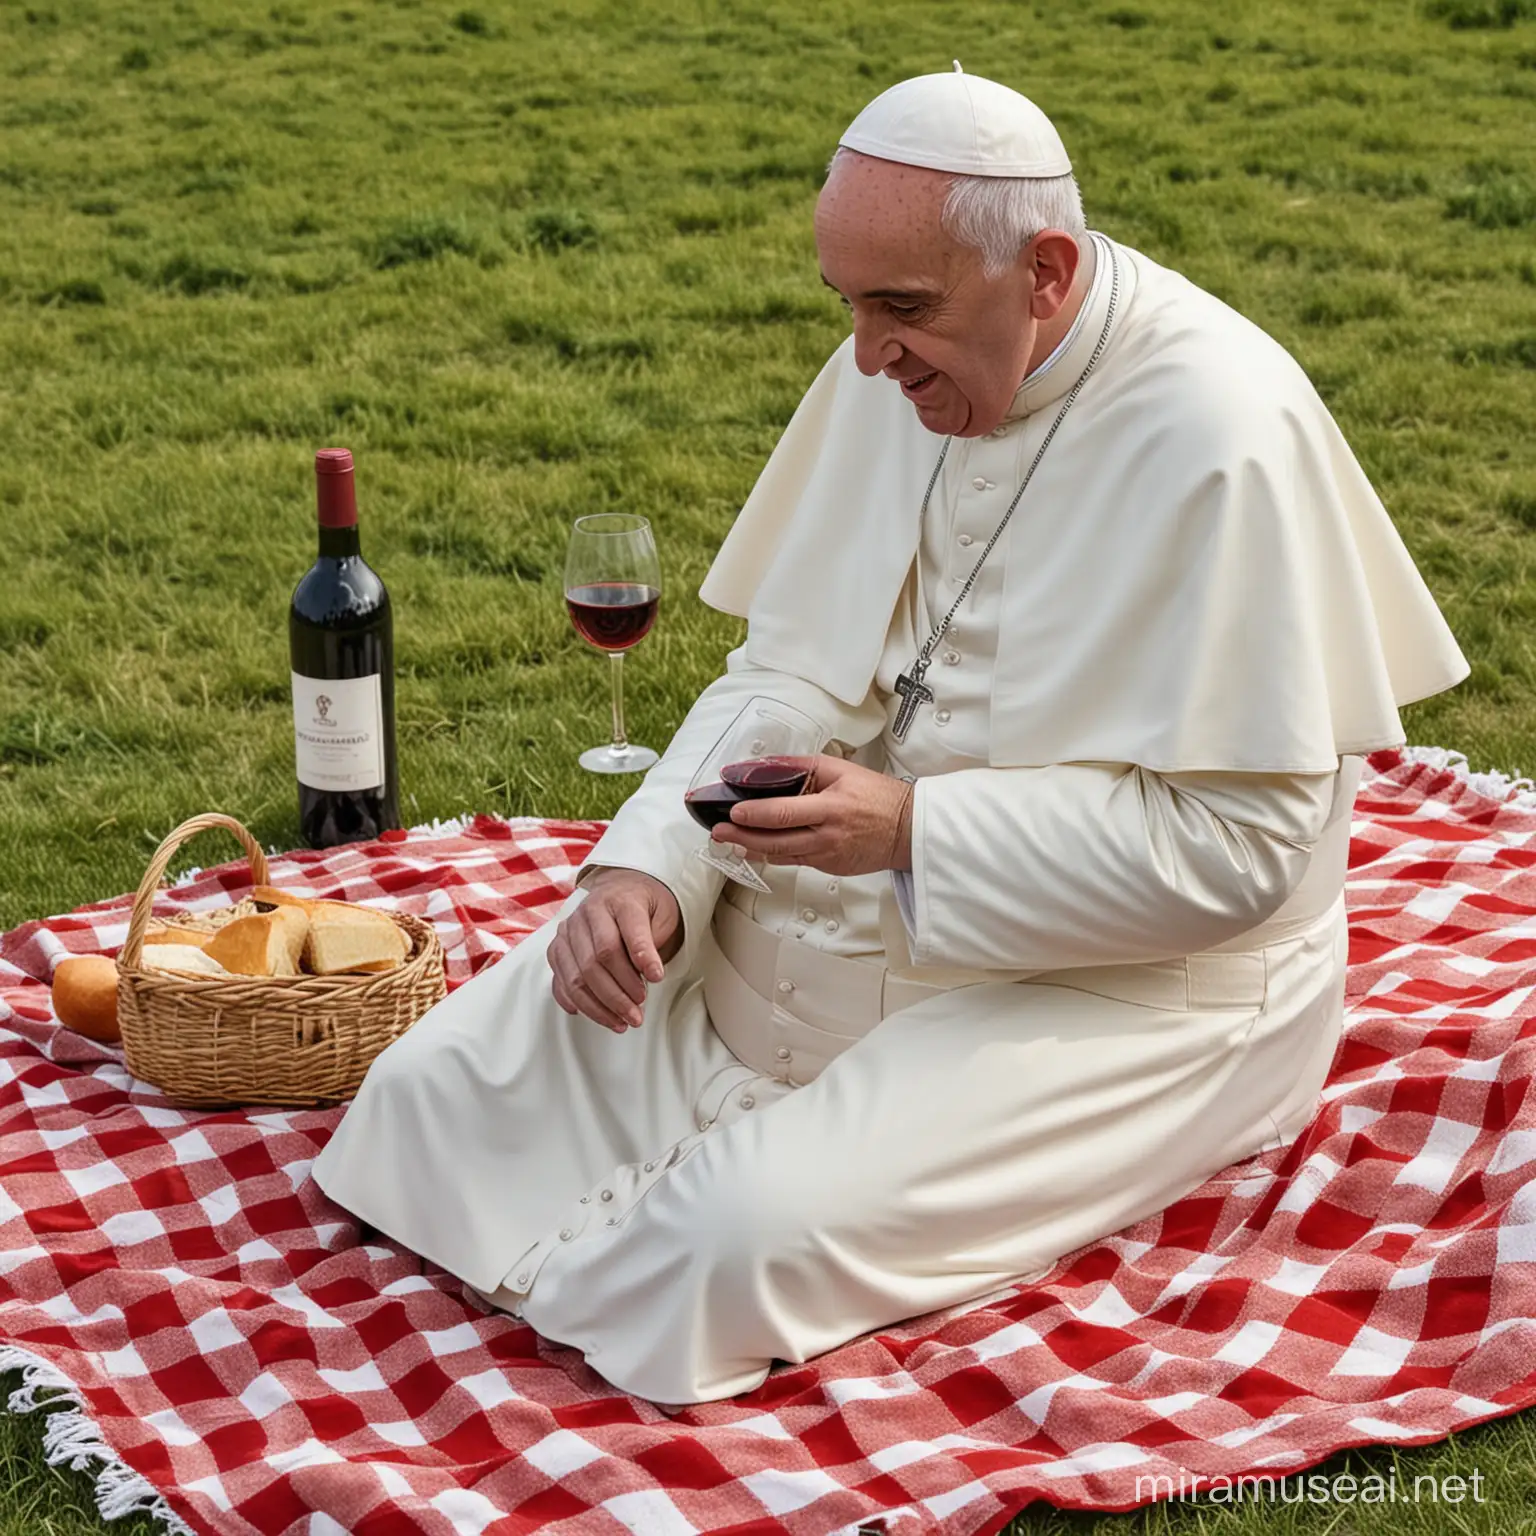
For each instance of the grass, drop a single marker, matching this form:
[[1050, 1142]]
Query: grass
[[529, 262]]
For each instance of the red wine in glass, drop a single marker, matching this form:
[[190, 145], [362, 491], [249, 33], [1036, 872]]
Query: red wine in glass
[[770, 748], [710, 804], [612, 590], [613, 615], [762, 778]]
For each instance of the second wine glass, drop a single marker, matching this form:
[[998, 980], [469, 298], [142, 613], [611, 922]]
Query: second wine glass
[[612, 592], [767, 751]]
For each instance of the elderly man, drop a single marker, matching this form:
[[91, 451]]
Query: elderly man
[[1098, 613]]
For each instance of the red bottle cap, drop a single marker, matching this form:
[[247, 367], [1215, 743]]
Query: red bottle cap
[[337, 494]]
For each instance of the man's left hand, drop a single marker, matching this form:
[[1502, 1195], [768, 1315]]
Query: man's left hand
[[849, 821]]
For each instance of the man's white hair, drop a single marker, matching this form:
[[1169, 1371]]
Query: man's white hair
[[1000, 215]]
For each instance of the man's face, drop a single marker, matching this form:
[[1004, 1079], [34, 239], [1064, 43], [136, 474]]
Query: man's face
[[957, 342]]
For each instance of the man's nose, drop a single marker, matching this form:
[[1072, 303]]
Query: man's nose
[[874, 348]]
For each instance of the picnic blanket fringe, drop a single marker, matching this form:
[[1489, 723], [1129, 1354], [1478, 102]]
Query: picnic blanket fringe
[[72, 1436], [437, 827], [1492, 783]]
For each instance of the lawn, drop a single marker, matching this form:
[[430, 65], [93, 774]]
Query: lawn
[[534, 261]]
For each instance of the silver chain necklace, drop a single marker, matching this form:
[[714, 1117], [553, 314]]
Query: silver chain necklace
[[910, 685]]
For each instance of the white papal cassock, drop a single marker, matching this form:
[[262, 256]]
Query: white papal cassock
[[1121, 963]]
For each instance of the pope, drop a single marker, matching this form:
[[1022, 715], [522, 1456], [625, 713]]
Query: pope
[[1099, 615]]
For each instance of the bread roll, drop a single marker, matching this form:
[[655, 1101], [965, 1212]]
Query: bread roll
[[343, 937], [85, 996], [181, 957], [269, 944]]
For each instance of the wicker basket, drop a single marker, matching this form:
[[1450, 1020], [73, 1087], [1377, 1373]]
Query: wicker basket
[[282, 1040]]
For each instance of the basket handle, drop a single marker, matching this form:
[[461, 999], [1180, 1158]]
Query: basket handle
[[144, 899]]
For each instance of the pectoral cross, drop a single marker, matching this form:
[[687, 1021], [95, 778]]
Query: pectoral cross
[[913, 692]]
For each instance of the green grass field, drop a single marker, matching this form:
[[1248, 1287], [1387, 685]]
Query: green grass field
[[534, 261]]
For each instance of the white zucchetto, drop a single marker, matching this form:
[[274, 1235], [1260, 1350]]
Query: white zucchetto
[[961, 123]]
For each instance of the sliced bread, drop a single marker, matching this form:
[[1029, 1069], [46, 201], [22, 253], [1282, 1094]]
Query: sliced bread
[[168, 956], [343, 937], [269, 944]]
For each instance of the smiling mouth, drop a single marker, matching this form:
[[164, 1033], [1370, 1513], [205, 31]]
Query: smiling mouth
[[920, 383]]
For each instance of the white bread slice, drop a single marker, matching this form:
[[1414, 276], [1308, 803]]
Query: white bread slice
[[269, 944], [169, 956], [343, 937]]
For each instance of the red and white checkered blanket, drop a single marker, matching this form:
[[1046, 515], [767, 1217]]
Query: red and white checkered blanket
[[241, 1363]]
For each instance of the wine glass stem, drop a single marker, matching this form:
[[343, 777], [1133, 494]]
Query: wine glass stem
[[620, 738]]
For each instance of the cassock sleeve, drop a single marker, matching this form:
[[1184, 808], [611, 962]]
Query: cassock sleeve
[[654, 833], [1102, 863]]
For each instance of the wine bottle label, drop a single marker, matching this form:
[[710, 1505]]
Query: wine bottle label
[[338, 732]]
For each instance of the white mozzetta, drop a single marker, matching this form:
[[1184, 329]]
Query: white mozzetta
[[1199, 576]]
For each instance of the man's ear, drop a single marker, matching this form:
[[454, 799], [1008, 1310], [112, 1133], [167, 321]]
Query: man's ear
[[1054, 257]]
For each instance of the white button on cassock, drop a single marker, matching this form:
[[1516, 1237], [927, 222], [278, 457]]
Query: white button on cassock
[[832, 925], [966, 541], [782, 1053], [747, 1101], [997, 431], [566, 1234], [979, 483], [941, 717], [704, 1125], [951, 658], [809, 914], [786, 986]]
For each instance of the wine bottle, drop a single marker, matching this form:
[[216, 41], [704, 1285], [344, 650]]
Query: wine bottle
[[341, 647]]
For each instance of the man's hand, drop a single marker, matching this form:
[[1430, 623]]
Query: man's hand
[[615, 942], [850, 821]]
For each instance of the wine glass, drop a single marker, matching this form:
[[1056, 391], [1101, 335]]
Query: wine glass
[[767, 750], [612, 590]]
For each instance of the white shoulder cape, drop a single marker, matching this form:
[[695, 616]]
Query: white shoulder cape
[[1198, 577]]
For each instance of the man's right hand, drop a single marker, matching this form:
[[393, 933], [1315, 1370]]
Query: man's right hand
[[615, 942]]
